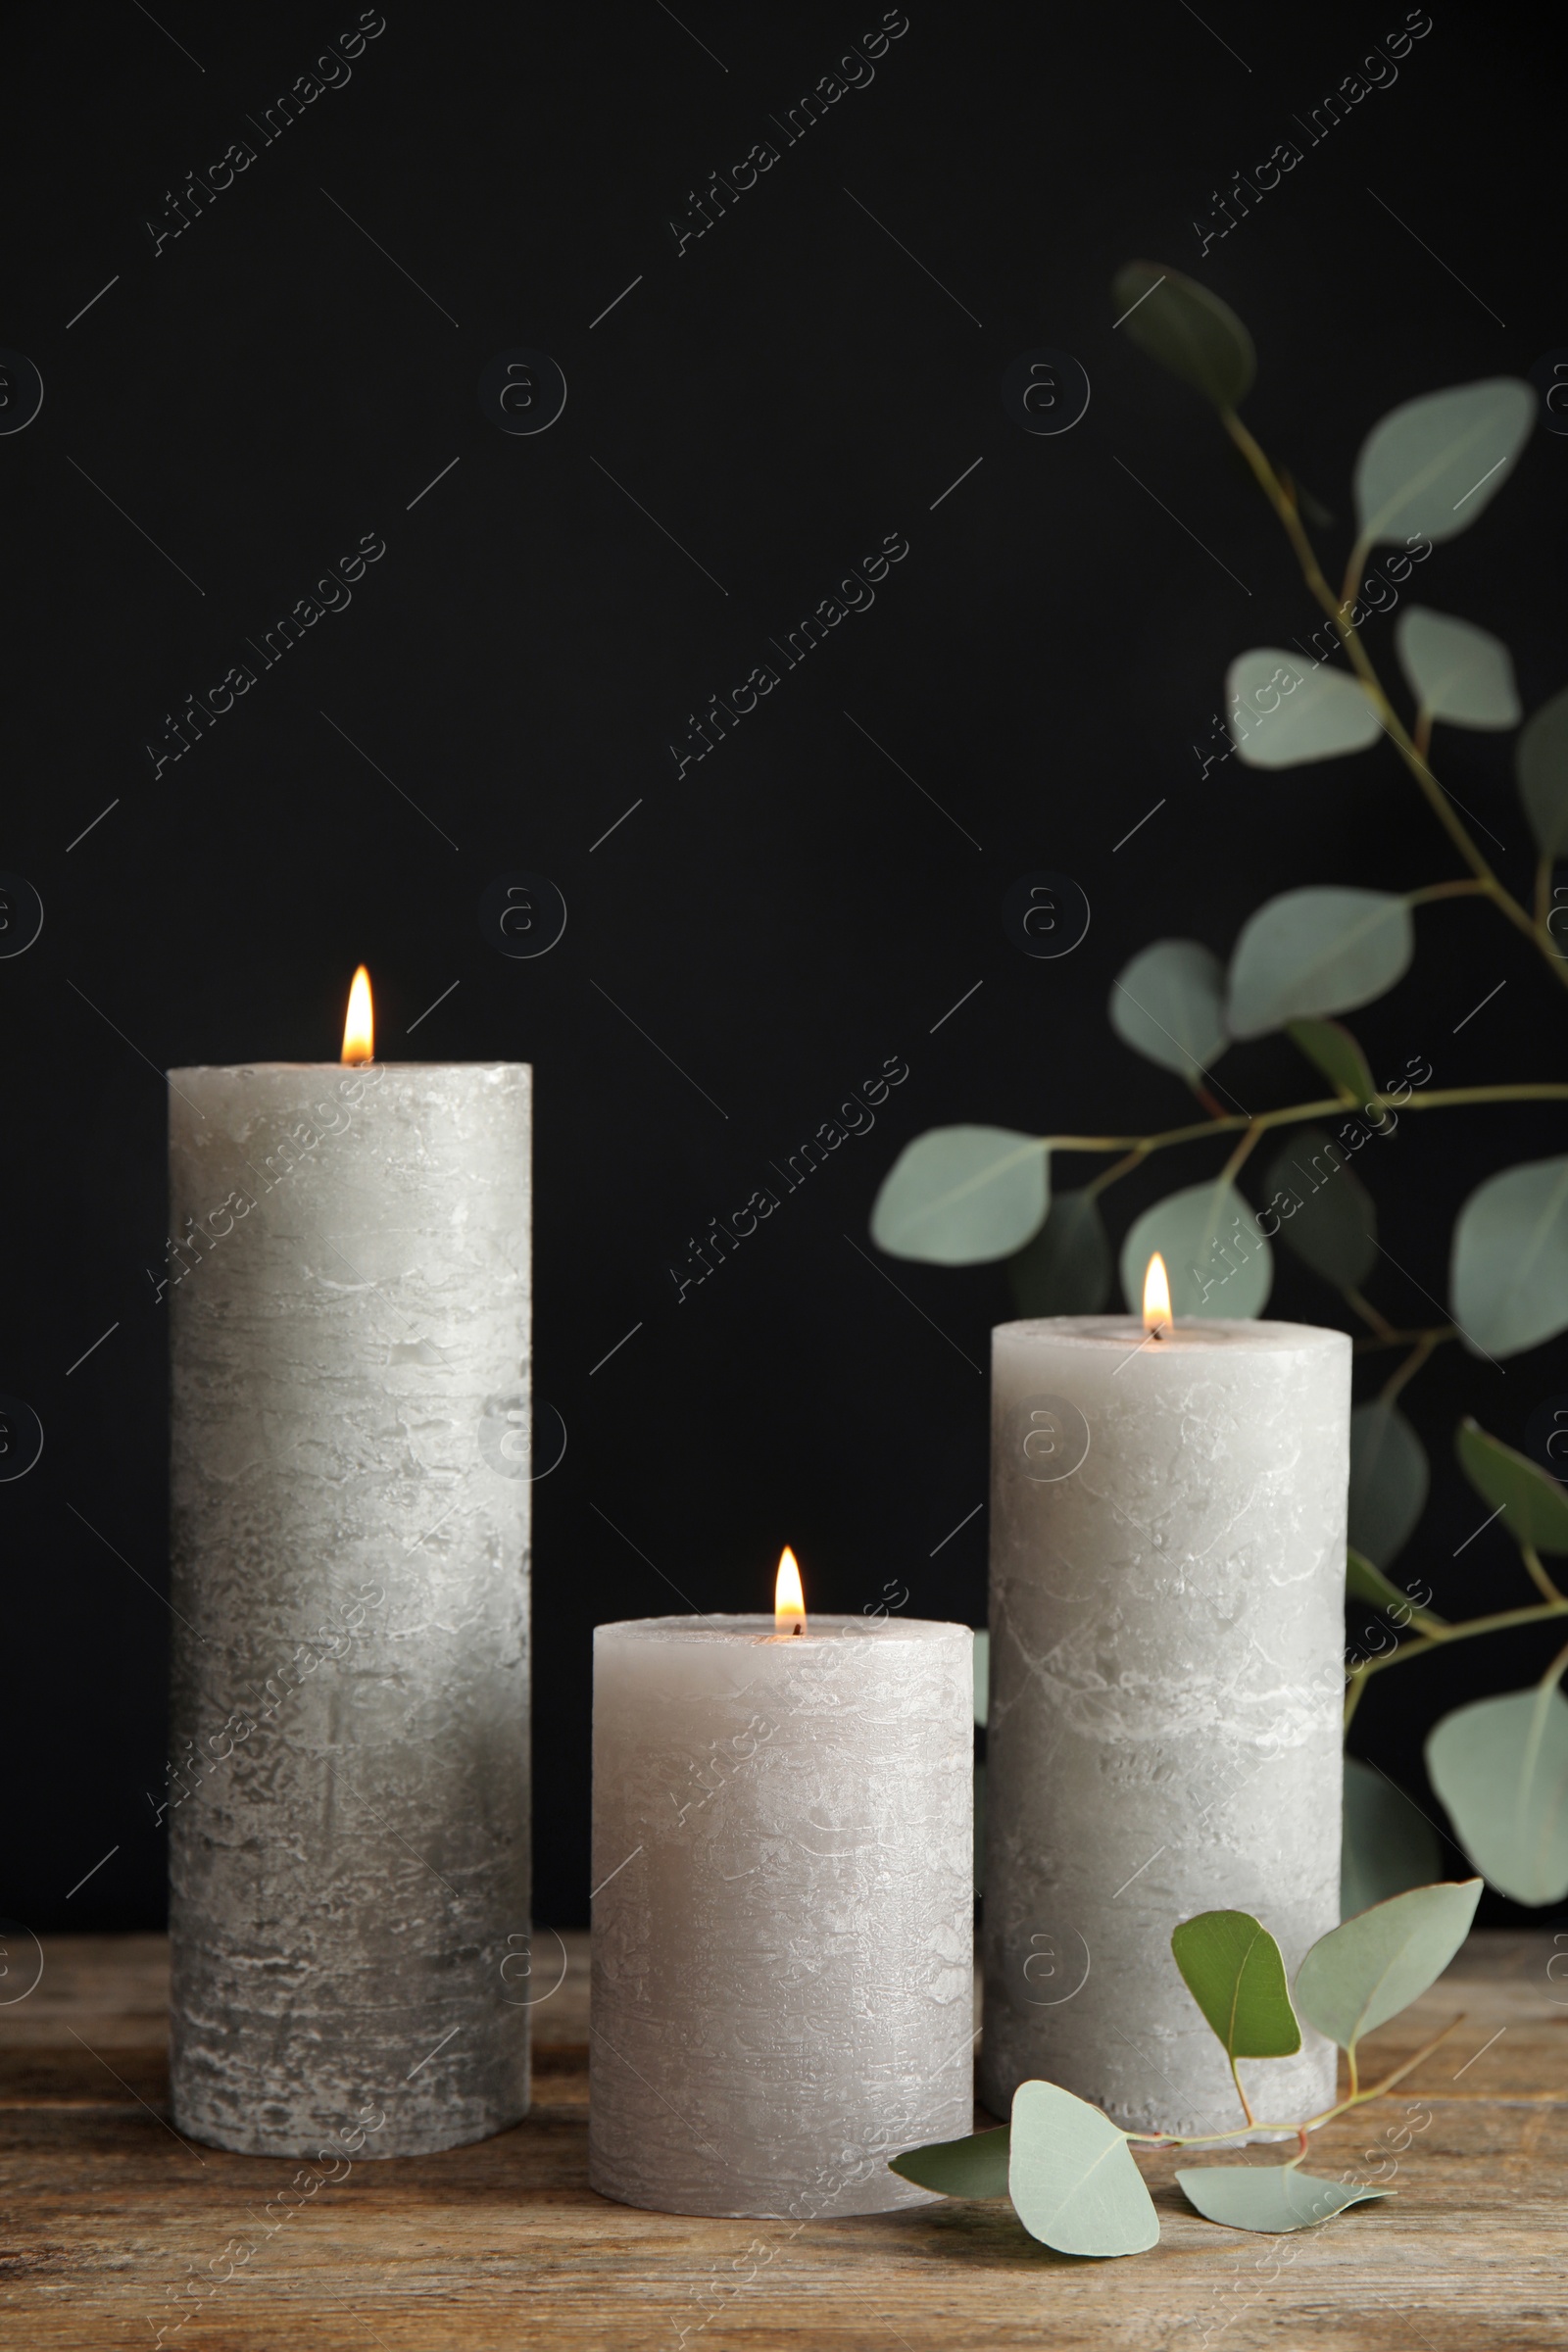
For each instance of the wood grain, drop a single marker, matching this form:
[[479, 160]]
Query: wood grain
[[105, 2212]]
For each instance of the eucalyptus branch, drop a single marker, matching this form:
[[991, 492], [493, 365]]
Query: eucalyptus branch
[[1425, 1343], [1433, 1637], [1411, 748], [1354, 2097], [1137, 1147]]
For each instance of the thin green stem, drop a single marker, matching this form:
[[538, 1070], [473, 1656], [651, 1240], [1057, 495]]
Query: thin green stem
[[1428, 1341], [1539, 1576], [1247, 2105], [1356, 2097], [1543, 873], [1403, 1338], [1137, 1147], [1387, 1336], [1432, 891], [1249, 1143], [1431, 1638]]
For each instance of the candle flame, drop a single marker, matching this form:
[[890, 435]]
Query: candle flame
[[789, 1602], [359, 1030], [1157, 1318]]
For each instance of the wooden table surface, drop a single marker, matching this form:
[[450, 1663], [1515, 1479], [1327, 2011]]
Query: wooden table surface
[[106, 2214]]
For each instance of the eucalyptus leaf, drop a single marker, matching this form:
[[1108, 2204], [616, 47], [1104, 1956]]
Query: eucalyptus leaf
[[1388, 1843], [1534, 1506], [1316, 950], [963, 1196], [1232, 1967], [1509, 1278], [1432, 464], [1217, 1260], [1269, 2198], [1332, 1221], [1291, 713], [1456, 671], [976, 2167], [1169, 1003], [1500, 1766], [1540, 762], [1072, 2178], [1330, 1045], [982, 1675], [1066, 1269], [1389, 1480], [1187, 329], [1366, 1971]]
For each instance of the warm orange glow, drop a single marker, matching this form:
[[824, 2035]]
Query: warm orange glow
[[359, 1030], [1157, 1318], [789, 1602]]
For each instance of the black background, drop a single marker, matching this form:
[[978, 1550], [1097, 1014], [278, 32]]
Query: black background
[[791, 911]]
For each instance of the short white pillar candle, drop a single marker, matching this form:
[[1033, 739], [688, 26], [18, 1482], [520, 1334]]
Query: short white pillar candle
[[783, 1911], [1167, 1581]]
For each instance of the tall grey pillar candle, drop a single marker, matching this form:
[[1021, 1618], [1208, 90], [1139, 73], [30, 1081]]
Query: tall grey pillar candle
[[783, 1942], [1167, 1581], [349, 1294]]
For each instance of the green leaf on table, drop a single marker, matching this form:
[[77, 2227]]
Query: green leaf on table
[[1334, 1051], [1334, 1220], [1509, 1279], [1291, 712], [1065, 1270], [1431, 465], [1072, 2178], [1366, 1971], [1457, 672], [1270, 2197], [1232, 1967], [1167, 1003], [963, 1196], [1365, 1582], [1500, 1766], [1388, 1843], [1217, 1260], [976, 2167], [1534, 1504], [982, 1675], [1316, 950], [1389, 1480], [1187, 329], [1540, 764]]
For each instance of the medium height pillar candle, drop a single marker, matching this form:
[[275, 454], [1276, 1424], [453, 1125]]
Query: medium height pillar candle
[[349, 1803], [1167, 1581], [783, 1968]]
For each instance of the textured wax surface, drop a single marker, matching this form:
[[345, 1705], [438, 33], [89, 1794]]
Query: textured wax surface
[[1166, 1685], [349, 1823], [782, 1933]]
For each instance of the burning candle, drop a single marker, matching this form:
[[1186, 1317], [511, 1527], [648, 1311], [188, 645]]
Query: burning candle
[[1167, 1581], [782, 1913], [348, 1804]]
